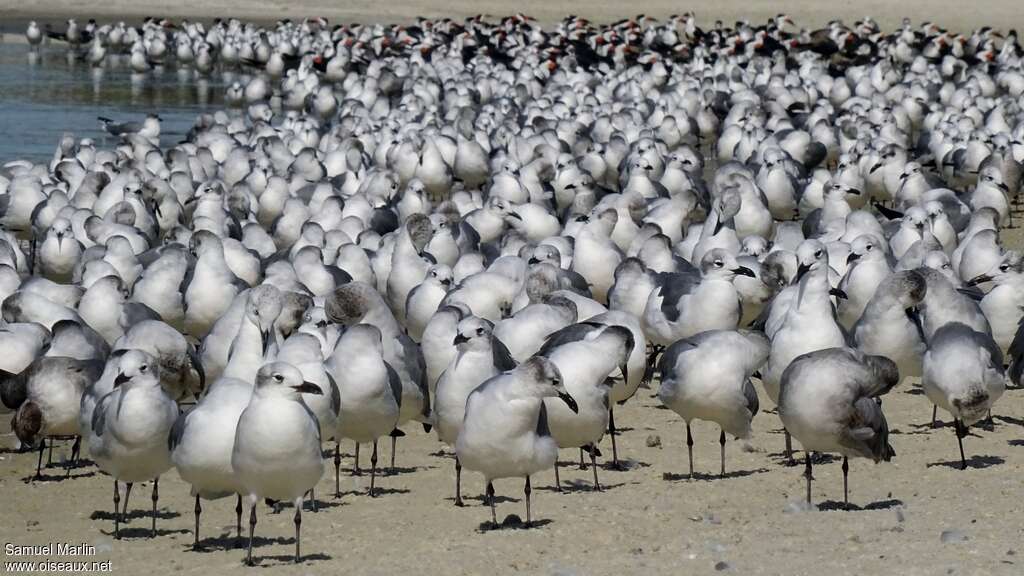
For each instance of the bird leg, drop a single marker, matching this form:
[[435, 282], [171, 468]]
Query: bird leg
[[612, 432], [789, 448], [49, 454], [721, 441], [198, 510], [527, 491], [356, 471], [312, 499], [689, 448], [373, 467], [337, 469], [394, 445], [582, 465], [75, 451], [458, 482], [127, 494], [490, 500], [155, 497], [846, 483], [252, 530], [807, 473], [558, 482], [935, 413], [117, 515], [961, 431], [298, 527], [39, 463], [238, 518], [593, 464]]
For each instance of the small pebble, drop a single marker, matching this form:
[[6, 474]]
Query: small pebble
[[722, 566], [653, 441], [952, 536]]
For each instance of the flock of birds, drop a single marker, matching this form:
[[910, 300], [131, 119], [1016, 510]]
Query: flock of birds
[[501, 232]]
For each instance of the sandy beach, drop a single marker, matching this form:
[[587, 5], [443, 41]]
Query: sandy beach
[[650, 519]]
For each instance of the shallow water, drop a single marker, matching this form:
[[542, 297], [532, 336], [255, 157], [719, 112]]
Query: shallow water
[[44, 95]]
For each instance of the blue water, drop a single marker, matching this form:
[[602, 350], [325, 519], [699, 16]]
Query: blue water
[[44, 95]]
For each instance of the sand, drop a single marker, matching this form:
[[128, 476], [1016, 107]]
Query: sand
[[650, 519], [951, 13]]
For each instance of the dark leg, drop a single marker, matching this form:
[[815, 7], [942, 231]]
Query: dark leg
[[155, 497], [76, 450], [373, 467], [337, 469], [394, 445], [846, 483], [789, 448], [312, 500], [527, 491], [238, 518], [807, 473], [721, 441], [252, 530], [117, 512], [49, 454], [356, 471], [935, 413], [593, 464], [558, 482], [198, 510], [298, 526], [39, 463], [960, 433], [611, 432], [582, 465], [490, 500], [689, 447], [458, 482], [127, 494]]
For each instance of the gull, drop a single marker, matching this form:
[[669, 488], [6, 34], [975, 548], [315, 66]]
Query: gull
[[891, 326], [829, 403], [963, 374], [369, 390], [867, 265], [201, 443], [585, 355], [505, 431], [130, 427], [479, 357], [707, 377], [1003, 306], [276, 452]]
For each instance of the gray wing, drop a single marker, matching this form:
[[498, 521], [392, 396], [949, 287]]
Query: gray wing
[[502, 358], [396, 384], [13, 390], [1016, 353], [335, 395], [673, 287], [868, 431], [750, 393], [571, 333], [99, 415], [667, 362], [542, 421]]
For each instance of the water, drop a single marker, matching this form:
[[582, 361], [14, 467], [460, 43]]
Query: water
[[44, 95]]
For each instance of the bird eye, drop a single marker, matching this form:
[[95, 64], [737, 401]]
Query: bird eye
[[817, 254], [143, 368], [278, 377], [1004, 267], [718, 263], [869, 247], [479, 331]]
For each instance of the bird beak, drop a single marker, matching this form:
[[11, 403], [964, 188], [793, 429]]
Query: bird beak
[[876, 167], [854, 191], [446, 282], [744, 271], [838, 294], [801, 270], [265, 338], [853, 257], [308, 388], [121, 379], [1002, 186], [569, 401], [459, 339], [515, 215], [979, 279], [625, 374], [532, 261]]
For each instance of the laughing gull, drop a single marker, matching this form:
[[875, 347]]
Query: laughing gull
[[505, 432], [707, 377], [211, 287], [369, 389], [685, 304], [524, 333], [276, 451], [867, 266], [130, 427], [1003, 306], [963, 374], [479, 357], [585, 354], [201, 443], [891, 326], [256, 339], [829, 403], [436, 341]]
